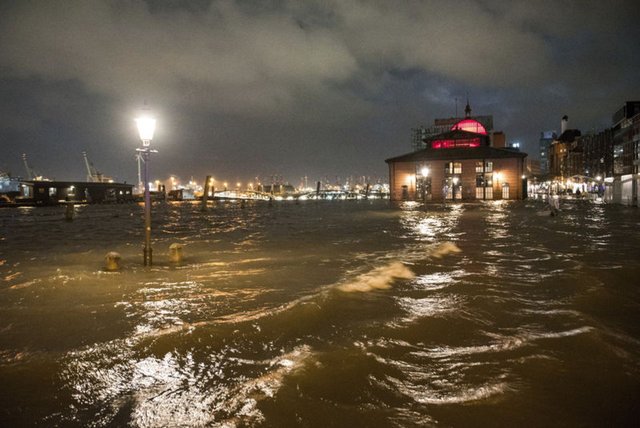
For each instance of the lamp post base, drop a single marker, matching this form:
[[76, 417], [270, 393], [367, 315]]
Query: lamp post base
[[147, 254]]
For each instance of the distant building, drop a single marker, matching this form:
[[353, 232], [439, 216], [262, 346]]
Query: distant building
[[611, 155], [498, 140], [10, 187], [532, 167], [458, 164], [56, 192], [546, 138], [626, 152], [277, 189], [598, 153], [565, 153]]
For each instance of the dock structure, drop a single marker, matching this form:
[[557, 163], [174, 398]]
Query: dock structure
[[59, 192]]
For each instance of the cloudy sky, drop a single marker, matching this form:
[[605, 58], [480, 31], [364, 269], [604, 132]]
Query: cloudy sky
[[318, 88]]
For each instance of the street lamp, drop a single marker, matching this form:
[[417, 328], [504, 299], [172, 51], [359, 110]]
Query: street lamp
[[146, 127]]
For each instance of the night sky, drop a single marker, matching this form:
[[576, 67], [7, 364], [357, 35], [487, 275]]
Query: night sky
[[318, 88]]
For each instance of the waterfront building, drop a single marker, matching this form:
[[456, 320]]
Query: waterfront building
[[565, 153], [598, 153], [458, 164], [623, 187], [56, 192], [611, 156]]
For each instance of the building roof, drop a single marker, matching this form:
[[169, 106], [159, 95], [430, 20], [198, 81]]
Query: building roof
[[569, 135], [62, 184], [458, 153], [456, 134]]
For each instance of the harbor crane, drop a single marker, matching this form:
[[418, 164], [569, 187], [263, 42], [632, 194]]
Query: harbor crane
[[93, 175], [140, 160], [31, 174]]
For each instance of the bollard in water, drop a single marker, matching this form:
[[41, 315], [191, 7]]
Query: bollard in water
[[205, 194], [112, 261], [69, 212], [175, 252]]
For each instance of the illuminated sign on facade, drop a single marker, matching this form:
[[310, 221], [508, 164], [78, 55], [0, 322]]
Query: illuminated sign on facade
[[466, 125]]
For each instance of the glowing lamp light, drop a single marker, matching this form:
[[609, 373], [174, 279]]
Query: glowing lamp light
[[598, 178], [424, 172], [455, 180], [146, 128], [470, 125], [497, 176]]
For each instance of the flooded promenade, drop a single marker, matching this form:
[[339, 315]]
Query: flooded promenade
[[322, 313]]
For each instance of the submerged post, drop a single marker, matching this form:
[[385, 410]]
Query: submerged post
[[146, 127], [205, 195], [69, 212]]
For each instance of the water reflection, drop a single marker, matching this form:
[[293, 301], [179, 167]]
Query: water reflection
[[443, 314]]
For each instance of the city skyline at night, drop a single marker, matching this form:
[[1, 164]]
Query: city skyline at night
[[245, 89]]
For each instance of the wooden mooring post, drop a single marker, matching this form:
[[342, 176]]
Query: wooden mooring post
[[205, 195]]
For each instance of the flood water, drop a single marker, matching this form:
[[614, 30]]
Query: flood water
[[322, 314]]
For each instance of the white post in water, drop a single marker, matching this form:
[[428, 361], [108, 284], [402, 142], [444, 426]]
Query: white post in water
[[146, 128]]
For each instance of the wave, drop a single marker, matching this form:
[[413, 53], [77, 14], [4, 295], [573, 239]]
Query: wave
[[503, 345], [242, 404], [174, 389], [430, 396], [443, 249], [379, 278]]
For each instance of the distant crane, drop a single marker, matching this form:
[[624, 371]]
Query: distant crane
[[140, 160], [31, 174], [93, 175]]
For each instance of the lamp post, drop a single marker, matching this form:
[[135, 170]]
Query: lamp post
[[146, 127]]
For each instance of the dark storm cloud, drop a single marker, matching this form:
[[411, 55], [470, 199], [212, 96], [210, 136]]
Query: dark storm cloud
[[326, 87]]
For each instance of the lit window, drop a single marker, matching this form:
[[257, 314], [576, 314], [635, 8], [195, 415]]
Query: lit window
[[453, 168]]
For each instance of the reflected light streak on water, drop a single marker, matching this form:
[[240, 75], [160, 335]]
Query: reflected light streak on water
[[369, 315]]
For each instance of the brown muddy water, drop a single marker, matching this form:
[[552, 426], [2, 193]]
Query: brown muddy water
[[322, 314]]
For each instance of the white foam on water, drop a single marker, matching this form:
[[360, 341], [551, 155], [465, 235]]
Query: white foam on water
[[379, 278], [243, 399], [424, 395], [508, 344], [169, 390], [504, 344], [443, 249], [560, 334]]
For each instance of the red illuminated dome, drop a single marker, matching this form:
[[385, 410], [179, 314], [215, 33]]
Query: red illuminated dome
[[470, 125]]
